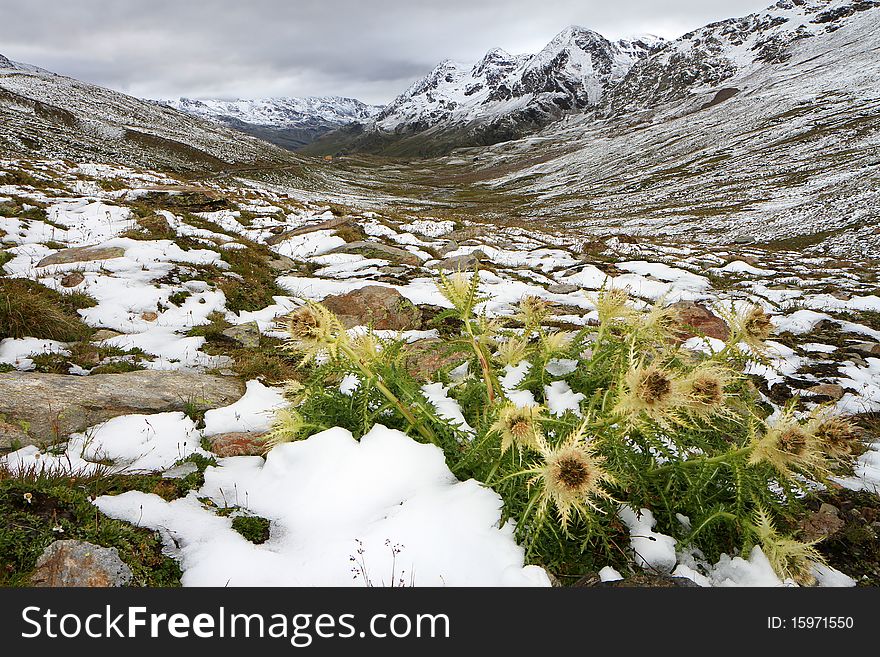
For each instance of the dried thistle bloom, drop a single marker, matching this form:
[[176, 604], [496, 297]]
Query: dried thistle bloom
[[556, 342], [703, 389], [313, 329], [789, 447], [659, 322], [532, 311], [518, 427], [652, 391], [840, 439], [287, 427], [790, 559], [750, 325], [513, 351], [571, 477]]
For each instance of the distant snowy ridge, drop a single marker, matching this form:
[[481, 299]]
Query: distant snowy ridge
[[279, 112], [288, 122]]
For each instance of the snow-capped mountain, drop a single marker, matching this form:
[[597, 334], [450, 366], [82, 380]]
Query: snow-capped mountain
[[716, 54], [288, 122], [503, 95], [52, 116]]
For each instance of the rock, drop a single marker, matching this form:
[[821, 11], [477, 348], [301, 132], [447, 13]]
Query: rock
[[870, 348], [104, 334], [12, 436], [831, 390], [56, 405], [379, 250], [335, 222], [238, 443], [72, 279], [424, 358], [822, 523], [695, 319], [562, 288], [77, 563], [466, 262], [149, 316], [82, 254], [640, 580], [377, 306], [248, 335], [180, 471], [281, 264], [447, 246], [743, 239]]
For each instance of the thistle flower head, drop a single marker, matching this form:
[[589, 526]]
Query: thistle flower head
[[513, 351], [611, 305], [789, 447], [571, 477], [461, 290], [556, 342], [790, 559], [703, 388], [839, 437], [518, 427], [312, 329], [532, 311], [751, 325], [367, 347], [651, 391]]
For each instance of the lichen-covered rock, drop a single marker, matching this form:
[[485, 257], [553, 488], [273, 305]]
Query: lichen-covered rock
[[77, 563]]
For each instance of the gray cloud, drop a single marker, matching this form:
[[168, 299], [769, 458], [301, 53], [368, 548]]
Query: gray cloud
[[366, 49]]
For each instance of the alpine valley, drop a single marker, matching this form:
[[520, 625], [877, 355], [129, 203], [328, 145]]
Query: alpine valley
[[157, 256]]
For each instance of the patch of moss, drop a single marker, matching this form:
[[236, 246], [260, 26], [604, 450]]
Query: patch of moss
[[253, 528]]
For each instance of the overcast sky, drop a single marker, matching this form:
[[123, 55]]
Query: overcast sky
[[367, 49]]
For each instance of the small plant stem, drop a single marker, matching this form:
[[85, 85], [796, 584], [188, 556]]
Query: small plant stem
[[484, 362]]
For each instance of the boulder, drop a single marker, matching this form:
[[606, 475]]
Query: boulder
[[869, 348], [695, 319], [82, 254], [72, 279], [832, 390], [77, 563], [379, 250], [377, 306], [466, 262], [52, 406], [335, 222]]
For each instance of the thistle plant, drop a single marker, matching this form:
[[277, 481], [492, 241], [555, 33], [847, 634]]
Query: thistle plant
[[657, 426]]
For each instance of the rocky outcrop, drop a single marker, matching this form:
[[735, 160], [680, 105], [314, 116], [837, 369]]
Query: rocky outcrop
[[52, 406]]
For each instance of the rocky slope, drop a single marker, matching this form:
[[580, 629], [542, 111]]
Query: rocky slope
[[499, 98], [54, 116], [287, 122]]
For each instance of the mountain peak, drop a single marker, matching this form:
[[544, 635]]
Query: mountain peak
[[5, 63]]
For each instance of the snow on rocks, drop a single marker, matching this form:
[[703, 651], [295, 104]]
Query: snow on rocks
[[331, 499]]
